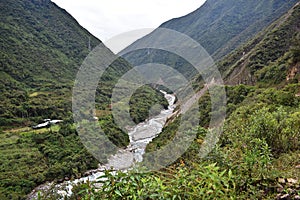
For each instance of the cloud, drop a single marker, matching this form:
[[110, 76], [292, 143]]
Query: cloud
[[108, 18]]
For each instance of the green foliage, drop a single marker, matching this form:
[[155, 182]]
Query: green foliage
[[221, 33], [295, 49], [269, 56], [42, 49], [204, 182], [37, 85], [164, 137], [108, 81], [261, 129], [279, 127], [114, 133], [235, 96], [146, 99], [31, 158]]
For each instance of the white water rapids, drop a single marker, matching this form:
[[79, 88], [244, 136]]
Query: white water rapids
[[124, 159]]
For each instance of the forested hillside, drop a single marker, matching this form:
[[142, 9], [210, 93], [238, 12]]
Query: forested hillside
[[221, 26], [258, 154], [42, 48], [256, 157], [270, 58]]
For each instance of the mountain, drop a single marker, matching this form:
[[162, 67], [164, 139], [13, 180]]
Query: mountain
[[42, 47], [219, 26], [271, 58], [257, 155], [41, 41], [222, 25], [259, 146]]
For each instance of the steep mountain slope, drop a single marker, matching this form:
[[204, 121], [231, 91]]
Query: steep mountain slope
[[41, 42], [259, 146], [220, 26], [257, 156], [269, 60], [272, 57], [42, 47]]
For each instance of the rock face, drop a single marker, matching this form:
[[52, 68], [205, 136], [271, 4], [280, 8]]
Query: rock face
[[272, 56], [293, 71], [288, 189]]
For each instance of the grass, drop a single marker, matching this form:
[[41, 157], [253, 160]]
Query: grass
[[30, 157]]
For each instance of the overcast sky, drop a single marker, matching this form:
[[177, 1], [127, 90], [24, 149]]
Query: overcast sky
[[108, 18]]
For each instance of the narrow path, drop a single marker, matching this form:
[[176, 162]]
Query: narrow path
[[194, 99]]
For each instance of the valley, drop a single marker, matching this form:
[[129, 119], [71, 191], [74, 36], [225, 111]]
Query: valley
[[256, 48]]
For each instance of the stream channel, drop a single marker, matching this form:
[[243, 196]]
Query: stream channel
[[139, 135]]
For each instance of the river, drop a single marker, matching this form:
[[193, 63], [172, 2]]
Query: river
[[139, 135]]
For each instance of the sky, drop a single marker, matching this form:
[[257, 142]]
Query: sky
[[108, 18]]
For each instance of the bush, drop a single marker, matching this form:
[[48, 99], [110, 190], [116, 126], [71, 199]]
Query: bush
[[206, 181]]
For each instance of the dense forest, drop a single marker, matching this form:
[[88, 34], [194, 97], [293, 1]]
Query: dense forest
[[256, 157], [258, 154], [42, 48]]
